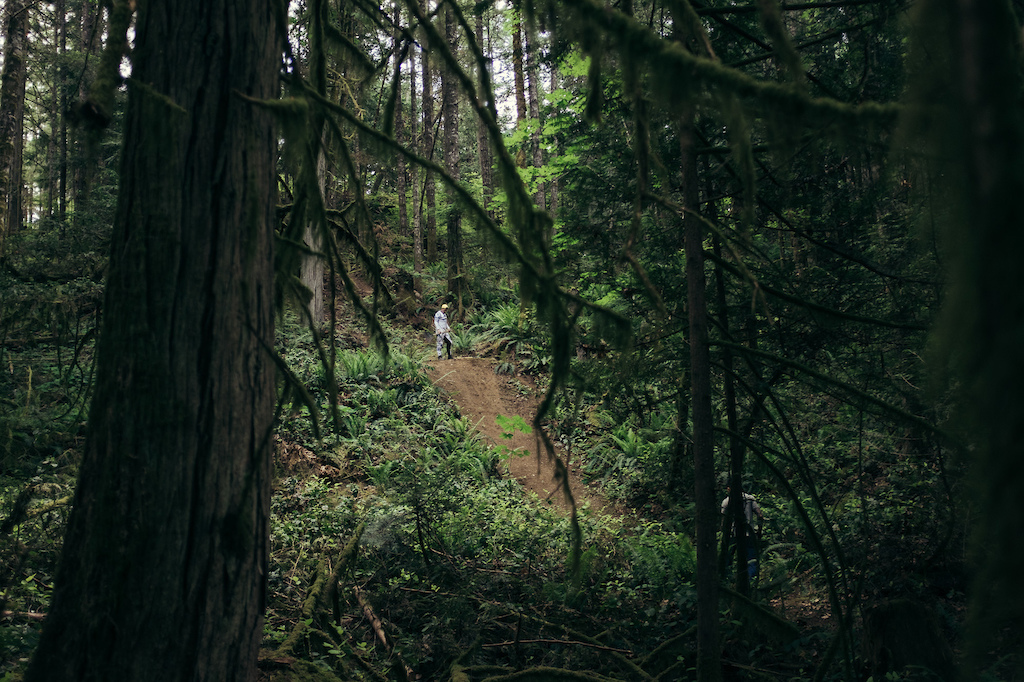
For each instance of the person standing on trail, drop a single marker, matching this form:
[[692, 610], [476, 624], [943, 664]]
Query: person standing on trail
[[443, 331], [750, 509]]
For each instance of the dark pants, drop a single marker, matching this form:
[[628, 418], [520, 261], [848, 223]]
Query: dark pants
[[751, 557]]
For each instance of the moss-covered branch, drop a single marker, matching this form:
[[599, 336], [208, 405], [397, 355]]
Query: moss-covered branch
[[321, 592]]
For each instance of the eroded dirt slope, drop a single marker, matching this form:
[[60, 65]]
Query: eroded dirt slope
[[481, 396]]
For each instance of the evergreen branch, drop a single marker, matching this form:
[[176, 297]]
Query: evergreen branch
[[294, 387], [509, 247], [811, 305], [798, 506], [783, 100], [362, 61], [820, 38], [566, 642], [622, 658], [862, 395], [788, 7], [376, 330], [782, 46]]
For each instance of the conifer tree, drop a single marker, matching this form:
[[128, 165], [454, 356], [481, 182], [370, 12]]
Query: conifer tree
[[450, 114], [163, 570], [12, 110]]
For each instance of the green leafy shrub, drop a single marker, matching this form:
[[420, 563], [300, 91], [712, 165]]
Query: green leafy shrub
[[627, 464]]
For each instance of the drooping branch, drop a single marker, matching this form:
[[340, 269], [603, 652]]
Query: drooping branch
[[780, 99]]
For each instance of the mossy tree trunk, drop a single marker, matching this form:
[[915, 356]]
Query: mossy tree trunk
[[400, 170], [163, 569]]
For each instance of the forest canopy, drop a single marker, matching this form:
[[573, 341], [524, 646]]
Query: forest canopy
[[711, 249]]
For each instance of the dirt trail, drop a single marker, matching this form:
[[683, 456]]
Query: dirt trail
[[481, 396]]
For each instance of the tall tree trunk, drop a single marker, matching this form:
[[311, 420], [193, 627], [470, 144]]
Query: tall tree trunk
[[60, 117], [417, 197], [163, 570], [400, 180], [708, 647], [84, 163], [12, 116], [428, 144], [983, 317], [533, 93], [54, 122], [553, 190], [482, 143], [312, 265], [450, 109], [709, 667], [519, 80], [736, 525]]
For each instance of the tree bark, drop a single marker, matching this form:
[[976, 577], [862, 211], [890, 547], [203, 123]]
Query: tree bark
[[162, 575], [12, 116], [428, 145], [312, 266], [417, 197], [482, 143], [400, 180], [60, 119], [983, 316], [553, 190], [84, 164], [708, 647], [533, 94], [519, 79], [709, 667], [450, 110]]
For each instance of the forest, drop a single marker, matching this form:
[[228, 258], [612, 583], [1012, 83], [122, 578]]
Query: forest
[[733, 389]]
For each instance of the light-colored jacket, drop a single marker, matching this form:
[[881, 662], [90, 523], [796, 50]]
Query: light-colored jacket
[[441, 323], [750, 508]]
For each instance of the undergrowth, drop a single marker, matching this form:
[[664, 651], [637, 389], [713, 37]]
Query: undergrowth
[[399, 550], [459, 565]]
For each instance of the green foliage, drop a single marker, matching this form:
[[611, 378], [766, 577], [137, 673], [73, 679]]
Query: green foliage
[[509, 425], [452, 550], [513, 334], [660, 558], [820, 294], [629, 465], [46, 334], [33, 517], [465, 340]]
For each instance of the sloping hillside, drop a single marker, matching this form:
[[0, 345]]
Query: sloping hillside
[[482, 396]]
